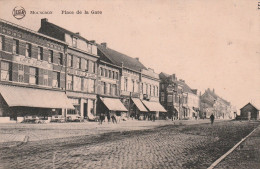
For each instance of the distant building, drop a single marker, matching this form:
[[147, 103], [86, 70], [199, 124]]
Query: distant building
[[249, 112], [178, 98], [211, 103]]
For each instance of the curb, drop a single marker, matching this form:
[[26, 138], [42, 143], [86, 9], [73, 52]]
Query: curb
[[229, 151]]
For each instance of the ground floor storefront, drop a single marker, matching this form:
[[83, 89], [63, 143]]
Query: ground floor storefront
[[29, 104]]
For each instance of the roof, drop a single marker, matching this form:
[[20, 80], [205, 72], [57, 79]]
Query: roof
[[163, 75], [60, 29], [118, 58], [251, 105], [185, 87]]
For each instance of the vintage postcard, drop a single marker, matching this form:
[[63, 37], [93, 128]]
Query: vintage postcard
[[129, 84]]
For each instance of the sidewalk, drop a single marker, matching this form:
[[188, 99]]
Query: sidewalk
[[35, 132], [246, 155]]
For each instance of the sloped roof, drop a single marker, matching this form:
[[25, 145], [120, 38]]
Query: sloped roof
[[60, 29], [185, 87], [118, 58], [251, 105], [163, 75]]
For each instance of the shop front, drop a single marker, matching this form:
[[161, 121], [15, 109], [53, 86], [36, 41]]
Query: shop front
[[84, 107], [18, 103], [138, 109], [154, 108]]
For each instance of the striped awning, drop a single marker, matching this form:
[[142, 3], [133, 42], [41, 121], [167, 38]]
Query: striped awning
[[139, 105], [31, 97], [153, 106], [113, 104]]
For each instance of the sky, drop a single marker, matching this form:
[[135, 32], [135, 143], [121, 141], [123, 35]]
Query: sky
[[209, 44]]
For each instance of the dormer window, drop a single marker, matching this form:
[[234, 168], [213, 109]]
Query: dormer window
[[74, 41]]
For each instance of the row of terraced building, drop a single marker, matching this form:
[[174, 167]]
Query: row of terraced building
[[55, 72]]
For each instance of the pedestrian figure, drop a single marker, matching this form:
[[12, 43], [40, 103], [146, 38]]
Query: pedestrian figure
[[108, 117], [101, 118], [153, 117], [212, 118], [113, 119]]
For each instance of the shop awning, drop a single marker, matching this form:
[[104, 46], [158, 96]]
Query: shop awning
[[154, 106], [29, 97], [113, 104], [139, 105]]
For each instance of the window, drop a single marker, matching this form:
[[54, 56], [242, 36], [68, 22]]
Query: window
[[169, 99], [15, 46], [55, 79], [20, 78], [115, 90], [162, 96], [108, 89], [157, 92], [113, 74], [154, 91], [40, 53], [109, 74], [70, 61], [77, 83], [74, 42], [146, 89], [1, 42], [94, 67], [60, 59], [125, 84], [150, 89], [117, 75], [87, 65], [5, 71], [50, 59], [142, 86], [106, 73], [91, 85], [33, 75], [45, 80], [101, 71], [69, 82], [162, 86], [20, 67], [28, 51], [78, 62], [104, 87]]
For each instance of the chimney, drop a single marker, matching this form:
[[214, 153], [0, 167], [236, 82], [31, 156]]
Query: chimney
[[213, 90], [104, 44], [77, 33], [92, 41], [43, 21], [137, 59], [173, 77]]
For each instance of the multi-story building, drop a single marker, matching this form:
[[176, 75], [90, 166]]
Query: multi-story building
[[81, 72], [211, 103], [32, 73], [108, 84], [150, 82], [138, 86], [180, 101], [129, 73]]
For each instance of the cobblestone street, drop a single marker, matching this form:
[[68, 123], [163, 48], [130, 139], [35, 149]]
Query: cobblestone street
[[170, 146]]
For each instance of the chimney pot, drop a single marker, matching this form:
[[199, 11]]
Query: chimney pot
[[104, 44], [137, 59], [77, 33], [43, 20]]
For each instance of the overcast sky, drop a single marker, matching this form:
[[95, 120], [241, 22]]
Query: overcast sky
[[209, 44]]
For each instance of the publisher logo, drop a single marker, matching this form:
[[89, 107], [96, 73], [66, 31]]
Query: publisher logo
[[19, 12]]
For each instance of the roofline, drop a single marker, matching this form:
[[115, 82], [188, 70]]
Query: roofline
[[82, 51], [251, 104], [32, 31], [110, 64]]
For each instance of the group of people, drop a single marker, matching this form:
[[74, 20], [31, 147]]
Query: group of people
[[110, 117]]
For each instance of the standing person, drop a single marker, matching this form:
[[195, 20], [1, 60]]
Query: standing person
[[101, 118], [108, 117], [212, 118]]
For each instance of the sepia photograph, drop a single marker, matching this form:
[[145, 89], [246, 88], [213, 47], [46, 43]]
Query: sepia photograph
[[141, 84]]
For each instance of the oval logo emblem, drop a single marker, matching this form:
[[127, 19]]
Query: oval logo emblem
[[19, 12]]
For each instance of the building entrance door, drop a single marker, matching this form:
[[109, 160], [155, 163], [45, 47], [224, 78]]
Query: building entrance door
[[85, 110]]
